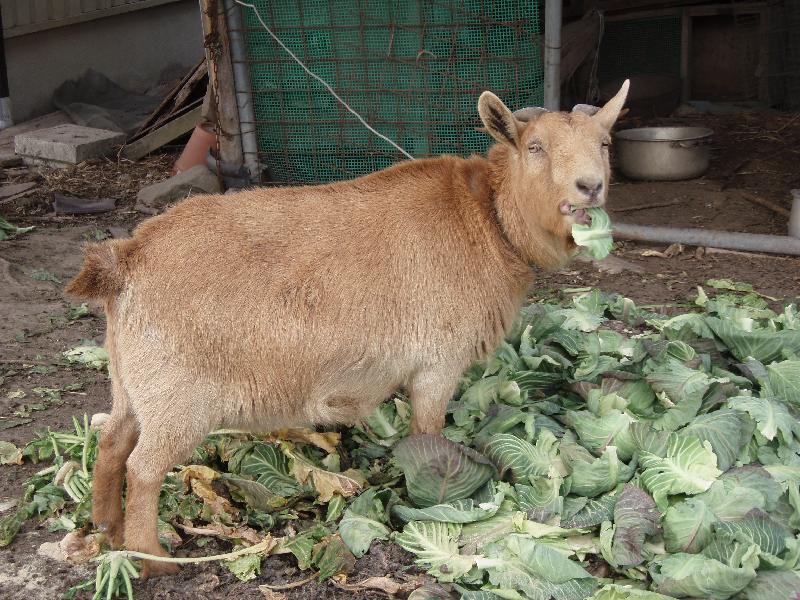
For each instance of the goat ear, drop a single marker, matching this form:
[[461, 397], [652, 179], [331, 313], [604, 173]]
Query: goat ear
[[497, 119], [608, 115]]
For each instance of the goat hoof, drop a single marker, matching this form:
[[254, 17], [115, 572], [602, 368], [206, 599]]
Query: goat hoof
[[154, 568], [115, 534]]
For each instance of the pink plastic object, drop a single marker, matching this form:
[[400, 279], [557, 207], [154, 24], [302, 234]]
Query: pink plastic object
[[195, 151]]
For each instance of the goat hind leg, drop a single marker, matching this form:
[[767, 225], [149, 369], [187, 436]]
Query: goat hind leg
[[117, 439], [162, 445]]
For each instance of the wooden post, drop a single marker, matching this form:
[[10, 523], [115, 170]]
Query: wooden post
[[224, 114], [763, 68], [686, 48]]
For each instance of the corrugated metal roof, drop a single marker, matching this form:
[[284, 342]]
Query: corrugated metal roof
[[27, 16]]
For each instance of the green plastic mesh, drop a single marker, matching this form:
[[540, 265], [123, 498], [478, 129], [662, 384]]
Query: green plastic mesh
[[640, 47], [413, 70]]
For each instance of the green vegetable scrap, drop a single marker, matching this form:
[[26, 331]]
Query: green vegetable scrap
[[595, 238], [604, 452], [8, 231], [88, 354]]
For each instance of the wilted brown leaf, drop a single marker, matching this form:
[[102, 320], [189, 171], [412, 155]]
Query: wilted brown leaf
[[197, 472], [287, 586], [671, 250], [327, 440], [223, 531], [384, 584], [327, 483], [199, 478], [10, 454], [79, 549]]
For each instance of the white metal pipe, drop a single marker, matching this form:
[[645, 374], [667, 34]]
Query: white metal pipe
[[552, 54], [752, 242], [794, 215], [6, 119], [241, 80]]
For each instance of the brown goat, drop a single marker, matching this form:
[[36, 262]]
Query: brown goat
[[310, 305]]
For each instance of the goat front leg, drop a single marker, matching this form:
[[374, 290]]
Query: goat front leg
[[162, 444], [430, 391]]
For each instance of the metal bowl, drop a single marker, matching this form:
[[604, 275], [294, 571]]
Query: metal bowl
[[663, 153]]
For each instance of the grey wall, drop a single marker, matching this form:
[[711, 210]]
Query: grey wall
[[132, 49]]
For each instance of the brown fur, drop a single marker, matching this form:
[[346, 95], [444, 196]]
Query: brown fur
[[311, 305]]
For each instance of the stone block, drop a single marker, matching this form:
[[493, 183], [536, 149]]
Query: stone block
[[65, 145], [156, 197]]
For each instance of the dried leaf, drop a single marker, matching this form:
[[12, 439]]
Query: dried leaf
[[385, 584], [224, 531], [327, 483], [197, 473], [79, 549], [7, 504], [10, 454], [671, 250], [327, 440], [199, 478]]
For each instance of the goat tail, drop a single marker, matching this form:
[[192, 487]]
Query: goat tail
[[102, 275]]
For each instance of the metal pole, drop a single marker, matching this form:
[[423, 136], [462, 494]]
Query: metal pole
[[552, 54], [5, 102], [794, 215], [753, 242], [241, 82]]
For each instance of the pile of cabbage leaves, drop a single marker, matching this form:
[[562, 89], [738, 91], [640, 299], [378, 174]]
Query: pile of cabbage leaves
[[604, 451]]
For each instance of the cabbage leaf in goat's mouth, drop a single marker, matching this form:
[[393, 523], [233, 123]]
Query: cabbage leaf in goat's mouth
[[594, 238]]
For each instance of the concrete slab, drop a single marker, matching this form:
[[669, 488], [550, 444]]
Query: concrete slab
[[65, 144], [158, 196], [7, 156]]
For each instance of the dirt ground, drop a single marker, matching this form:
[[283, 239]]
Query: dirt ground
[[754, 153]]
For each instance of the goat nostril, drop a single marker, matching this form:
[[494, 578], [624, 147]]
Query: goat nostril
[[589, 187]]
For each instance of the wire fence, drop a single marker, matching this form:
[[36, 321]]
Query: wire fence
[[412, 70]]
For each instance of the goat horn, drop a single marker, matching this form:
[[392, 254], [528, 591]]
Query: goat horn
[[530, 113], [586, 108]]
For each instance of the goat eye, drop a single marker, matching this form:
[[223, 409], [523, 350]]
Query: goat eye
[[605, 145], [534, 148]]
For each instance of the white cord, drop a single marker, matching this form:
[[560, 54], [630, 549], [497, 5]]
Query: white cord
[[318, 78]]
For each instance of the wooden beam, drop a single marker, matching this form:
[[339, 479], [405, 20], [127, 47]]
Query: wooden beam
[[163, 135], [225, 116], [713, 10], [610, 6], [170, 98], [707, 10], [16, 31]]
